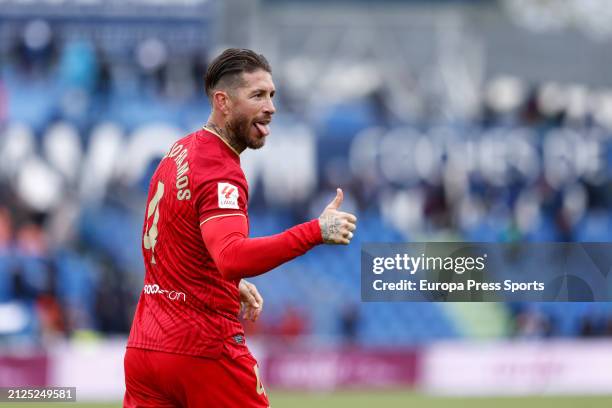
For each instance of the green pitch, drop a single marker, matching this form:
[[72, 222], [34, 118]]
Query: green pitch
[[412, 400], [392, 399]]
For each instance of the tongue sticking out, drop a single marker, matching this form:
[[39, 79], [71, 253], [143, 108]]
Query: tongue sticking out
[[263, 129]]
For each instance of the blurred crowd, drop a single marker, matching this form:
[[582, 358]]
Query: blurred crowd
[[82, 130]]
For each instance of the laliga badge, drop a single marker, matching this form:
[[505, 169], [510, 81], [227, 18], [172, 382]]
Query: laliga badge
[[228, 195]]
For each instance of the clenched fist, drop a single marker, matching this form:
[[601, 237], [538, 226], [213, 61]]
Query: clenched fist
[[336, 226]]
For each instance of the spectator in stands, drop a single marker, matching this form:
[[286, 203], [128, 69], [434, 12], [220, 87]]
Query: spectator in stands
[[51, 317], [349, 323], [533, 324], [199, 64], [3, 104], [6, 230], [293, 323], [588, 327], [608, 327], [35, 51]]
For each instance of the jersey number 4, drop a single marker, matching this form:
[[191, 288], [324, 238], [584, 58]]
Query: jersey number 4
[[150, 236]]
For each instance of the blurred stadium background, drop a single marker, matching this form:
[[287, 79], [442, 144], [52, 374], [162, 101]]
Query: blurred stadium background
[[442, 120]]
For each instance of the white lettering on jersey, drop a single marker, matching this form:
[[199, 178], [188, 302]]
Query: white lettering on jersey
[[170, 294], [179, 154]]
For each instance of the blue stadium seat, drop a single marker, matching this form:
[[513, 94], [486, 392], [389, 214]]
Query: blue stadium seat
[[76, 281], [6, 278], [347, 119], [595, 227]]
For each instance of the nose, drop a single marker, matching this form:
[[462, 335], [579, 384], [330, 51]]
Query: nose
[[269, 108]]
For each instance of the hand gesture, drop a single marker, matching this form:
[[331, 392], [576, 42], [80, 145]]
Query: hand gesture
[[336, 226]]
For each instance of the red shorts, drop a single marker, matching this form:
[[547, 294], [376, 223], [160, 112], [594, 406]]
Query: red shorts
[[159, 379]]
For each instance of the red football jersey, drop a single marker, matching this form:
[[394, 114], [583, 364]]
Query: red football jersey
[[187, 306]]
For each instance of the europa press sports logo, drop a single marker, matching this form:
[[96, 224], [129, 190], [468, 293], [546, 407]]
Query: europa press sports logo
[[154, 289], [228, 195]]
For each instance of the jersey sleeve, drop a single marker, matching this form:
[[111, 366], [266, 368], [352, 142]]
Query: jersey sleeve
[[237, 256], [220, 191]]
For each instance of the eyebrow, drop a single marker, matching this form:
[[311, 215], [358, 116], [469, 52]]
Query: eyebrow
[[258, 90]]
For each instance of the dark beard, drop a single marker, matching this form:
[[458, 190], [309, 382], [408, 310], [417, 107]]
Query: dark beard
[[240, 131]]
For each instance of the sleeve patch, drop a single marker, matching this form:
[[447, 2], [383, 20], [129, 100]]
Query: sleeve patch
[[228, 195]]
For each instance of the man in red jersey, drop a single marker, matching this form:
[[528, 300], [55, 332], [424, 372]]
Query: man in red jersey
[[187, 346]]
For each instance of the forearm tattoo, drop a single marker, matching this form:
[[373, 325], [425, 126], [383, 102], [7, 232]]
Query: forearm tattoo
[[330, 227]]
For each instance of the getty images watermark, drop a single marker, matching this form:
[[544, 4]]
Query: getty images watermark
[[486, 272]]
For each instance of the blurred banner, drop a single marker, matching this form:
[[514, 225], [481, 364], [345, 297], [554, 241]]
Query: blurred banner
[[520, 368], [20, 367], [566, 367], [328, 369]]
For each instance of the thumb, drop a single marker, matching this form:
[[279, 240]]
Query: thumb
[[337, 201]]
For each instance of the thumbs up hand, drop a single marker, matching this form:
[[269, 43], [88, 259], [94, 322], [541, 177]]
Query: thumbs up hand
[[336, 226]]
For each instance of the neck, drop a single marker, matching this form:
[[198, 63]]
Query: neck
[[225, 133]]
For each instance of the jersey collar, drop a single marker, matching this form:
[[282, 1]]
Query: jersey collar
[[209, 130]]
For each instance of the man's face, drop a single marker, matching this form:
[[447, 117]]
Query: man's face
[[252, 108]]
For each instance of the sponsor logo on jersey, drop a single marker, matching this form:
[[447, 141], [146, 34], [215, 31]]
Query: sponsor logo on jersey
[[228, 195], [170, 294]]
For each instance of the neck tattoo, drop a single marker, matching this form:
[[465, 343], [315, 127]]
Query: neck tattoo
[[215, 129], [225, 135]]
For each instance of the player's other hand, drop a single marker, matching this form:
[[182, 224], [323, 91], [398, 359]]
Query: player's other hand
[[336, 226], [251, 300]]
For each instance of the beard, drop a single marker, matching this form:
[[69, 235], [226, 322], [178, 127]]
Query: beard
[[242, 129]]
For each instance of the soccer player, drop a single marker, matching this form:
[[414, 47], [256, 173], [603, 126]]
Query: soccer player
[[187, 346]]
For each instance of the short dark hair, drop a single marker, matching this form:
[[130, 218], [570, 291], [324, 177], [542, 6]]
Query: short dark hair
[[230, 64]]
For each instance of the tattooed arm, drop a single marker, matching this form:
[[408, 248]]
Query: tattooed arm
[[237, 256], [336, 226]]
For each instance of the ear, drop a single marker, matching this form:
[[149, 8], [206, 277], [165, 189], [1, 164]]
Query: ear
[[222, 102]]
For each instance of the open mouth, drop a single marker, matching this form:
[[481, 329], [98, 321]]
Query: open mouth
[[263, 127]]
